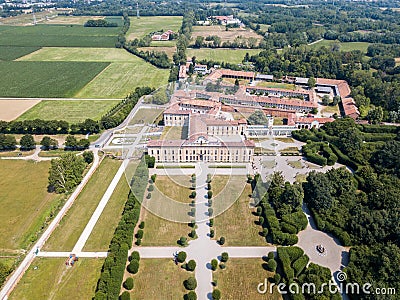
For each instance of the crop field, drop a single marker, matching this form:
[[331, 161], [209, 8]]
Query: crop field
[[58, 36], [220, 31], [73, 111], [11, 52], [12, 109], [233, 56], [71, 20], [80, 54], [145, 25], [46, 79], [27, 19], [49, 278], [119, 79], [71, 226], [24, 200], [346, 46]]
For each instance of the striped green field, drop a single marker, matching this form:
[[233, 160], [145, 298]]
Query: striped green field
[[11, 52], [347, 46], [143, 26]]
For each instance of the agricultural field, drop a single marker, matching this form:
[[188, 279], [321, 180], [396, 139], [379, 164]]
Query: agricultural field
[[238, 224], [46, 79], [220, 31], [73, 111], [145, 25], [150, 284], [241, 277], [80, 54], [25, 201], [71, 226], [72, 20], [102, 233], [12, 109], [234, 56], [345, 46], [119, 79], [27, 19], [49, 278], [58, 36], [8, 53]]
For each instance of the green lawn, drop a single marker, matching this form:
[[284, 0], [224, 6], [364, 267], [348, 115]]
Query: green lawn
[[46, 79], [345, 46], [296, 164], [145, 115], [73, 111], [53, 280], [241, 277], [237, 223], [173, 133], [71, 226], [120, 79], [102, 233], [44, 35], [25, 202], [11, 52], [233, 56], [145, 25], [166, 283], [80, 54], [276, 85]]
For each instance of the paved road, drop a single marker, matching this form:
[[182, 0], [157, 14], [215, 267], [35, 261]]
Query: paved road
[[17, 274], [58, 99]]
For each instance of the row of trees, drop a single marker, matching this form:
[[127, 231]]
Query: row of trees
[[100, 23]]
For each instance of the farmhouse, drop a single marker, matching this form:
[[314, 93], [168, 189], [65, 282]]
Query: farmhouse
[[165, 36], [227, 20], [224, 73]]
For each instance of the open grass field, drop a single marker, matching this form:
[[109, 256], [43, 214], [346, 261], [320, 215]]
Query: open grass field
[[152, 284], [10, 52], [12, 109], [71, 226], [276, 85], [346, 46], [168, 50], [220, 31], [46, 79], [145, 25], [241, 277], [73, 111], [80, 54], [329, 110], [59, 36], [53, 280], [145, 115], [176, 187], [102, 233], [233, 56], [71, 20], [119, 79], [27, 19], [161, 232], [237, 224], [24, 200], [163, 43]]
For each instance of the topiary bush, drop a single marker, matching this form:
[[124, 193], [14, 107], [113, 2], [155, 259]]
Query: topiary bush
[[214, 264], [211, 223], [191, 265], [128, 284], [138, 242], [272, 264], [141, 225], [133, 266], [190, 296], [135, 255], [224, 256], [190, 283], [212, 233], [216, 294], [210, 211], [151, 188], [181, 257], [139, 234], [221, 240], [125, 296]]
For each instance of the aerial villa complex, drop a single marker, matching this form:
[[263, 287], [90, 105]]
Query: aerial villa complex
[[215, 136]]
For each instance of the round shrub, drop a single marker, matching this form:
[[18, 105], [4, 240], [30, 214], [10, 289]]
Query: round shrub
[[222, 266], [138, 242], [265, 232], [181, 256], [148, 196], [128, 284], [151, 188], [190, 283], [135, 255], [271, 255], [216, 294], [210, 211], [190, 296], [182, 241], [209, 194], [125, 296], [141, 225], [212, 233], [259, 211], [224, 256], [193, 195], [211, 222], [191, 265], [272, 265], [261, 220], [209, 186], [133, 266], [139, 234], [209, 202], [214, 264], [192, 234], [221, 240], [277, 278], [153, 177]]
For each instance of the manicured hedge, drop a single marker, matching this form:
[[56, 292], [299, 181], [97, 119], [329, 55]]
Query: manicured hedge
[[300, 264]]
